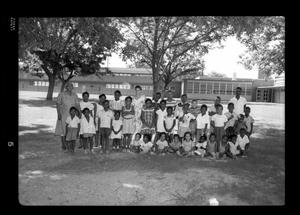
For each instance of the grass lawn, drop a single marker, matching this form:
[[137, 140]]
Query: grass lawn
[[49, 177]]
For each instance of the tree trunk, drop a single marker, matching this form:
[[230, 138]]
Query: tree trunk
[[63, 84], [50, 88]]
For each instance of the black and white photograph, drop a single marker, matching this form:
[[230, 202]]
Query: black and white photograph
[[151, 110]]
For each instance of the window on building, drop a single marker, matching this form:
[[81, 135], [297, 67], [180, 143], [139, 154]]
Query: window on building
[[258, 94], [203, 88], [266, 94], [229, 89], [216, 88], [189, 87], [222, 88], [196, 87], [209, 88]]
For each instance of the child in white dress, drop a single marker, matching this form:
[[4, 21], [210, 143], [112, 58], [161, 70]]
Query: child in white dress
[[146, 145], [116, 133], [169, 124], [201, 146]]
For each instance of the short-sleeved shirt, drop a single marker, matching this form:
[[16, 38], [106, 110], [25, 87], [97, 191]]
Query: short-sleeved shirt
[[248, 121], [87, 127], [148, 115], [137, 142], [99, 108], [169, 120], [162, 144], [238, 104], [116, 105], [73, 123], [105, 118], [231, 122], [195, 111], [187, 146], [219, 120], [186, 119], [160, 120], [172, 103], [202, 120], [178, 108], [146, 146], [242, 141], [204, 144]]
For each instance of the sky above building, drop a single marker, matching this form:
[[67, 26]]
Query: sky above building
[[221, 60]]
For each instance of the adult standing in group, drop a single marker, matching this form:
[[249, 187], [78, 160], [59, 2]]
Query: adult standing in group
[[238, 101], [138, 102], [65, 101]]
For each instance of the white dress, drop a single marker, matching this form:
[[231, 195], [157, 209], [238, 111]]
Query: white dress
[[138, 106], [116, 124]]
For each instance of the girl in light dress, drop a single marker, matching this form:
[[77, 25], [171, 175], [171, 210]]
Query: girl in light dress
[[128, 114], [72, 130], [116, 133]]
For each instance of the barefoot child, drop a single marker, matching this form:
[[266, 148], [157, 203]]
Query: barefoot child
[[224, 147], [98, 108], [195, 111], [160, 115], [233, 151], [88, 130], [72, 130], [242, 142], [128, 115], [184, 121], [116, 128]]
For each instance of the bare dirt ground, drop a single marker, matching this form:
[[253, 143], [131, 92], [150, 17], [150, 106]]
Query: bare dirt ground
[[49, 177]]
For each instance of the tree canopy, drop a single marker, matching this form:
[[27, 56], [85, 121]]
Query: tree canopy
[[266, 46], [66, 47]]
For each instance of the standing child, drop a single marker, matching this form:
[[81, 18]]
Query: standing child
[[175, 145], [239, 124], [211, 148], [85, 103], [169, 124], [128, 115], [231, 117], [203, 122], [72, 130], [184, 121], [98, 108], [135, 145], [146, 145], [248, 121], [148, 118], [160, 115], [161, 146], [188, 144], [105, 117], [116, 104], [242, 142], [88, 130], [195, 111], [116, 134], [218, 122], [201, 146]]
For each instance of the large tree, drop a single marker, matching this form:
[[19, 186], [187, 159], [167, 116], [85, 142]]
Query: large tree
[[266, 46], [66, 47], [173, 46]]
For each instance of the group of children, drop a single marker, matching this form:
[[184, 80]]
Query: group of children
[[183, 129]]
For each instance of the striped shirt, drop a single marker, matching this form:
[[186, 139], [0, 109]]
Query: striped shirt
[[148, 115], [116, 105]]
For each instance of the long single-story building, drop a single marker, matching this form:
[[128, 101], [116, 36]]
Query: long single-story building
[[125, 79]]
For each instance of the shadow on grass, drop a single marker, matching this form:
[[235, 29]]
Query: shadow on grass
[[38, 103]]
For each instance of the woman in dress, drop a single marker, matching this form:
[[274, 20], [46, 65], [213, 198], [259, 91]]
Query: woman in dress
[[65, 101], [138, 102]]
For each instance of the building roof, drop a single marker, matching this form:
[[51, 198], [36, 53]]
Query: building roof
[[269, 87]]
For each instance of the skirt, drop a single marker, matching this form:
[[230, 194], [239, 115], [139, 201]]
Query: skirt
[[128, 126], [88, 135], [72, 134]]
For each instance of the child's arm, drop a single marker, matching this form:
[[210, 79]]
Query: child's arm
[[174, 123], [98, 124], [78, 129], [95, 112], [251, 129], [212, 123], [121, 127], [132, 111], [66, 129]]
